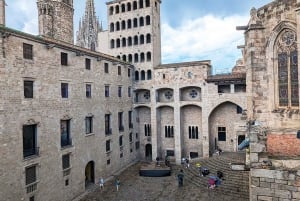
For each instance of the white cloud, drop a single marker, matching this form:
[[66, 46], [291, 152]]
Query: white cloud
[[205, 38]]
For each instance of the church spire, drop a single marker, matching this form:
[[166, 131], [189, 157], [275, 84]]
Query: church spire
[[87, 34]]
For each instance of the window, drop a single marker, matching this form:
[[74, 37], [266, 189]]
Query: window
[[124, 42], [239, 110], [147, 3], [31, 198], [169, 131], [288, 81], [128, 6], [118, 26], [148, 22], [123, 24], [130, 137], [147, 129], [107, 124], [130, 119], [120, 121], [142, 75], [123, 8], [66, 161], [129, 91], [106, 91], [148, 38], [64, 59], [134, 5], [129, 72], [88, 90], [193, 132], [108, 162], [28, 89], [137, 145], [106, 67], [107, 146], [168, 94], [129, 24], [136, 75], [222, 133], [124, 57], [87, 64], [30, 175], [112, 27], [135, 40], [120, 91], [30, 141], [117, 9], [141, 3], [129, 41], [121, 140], [135, 22], [119, 70], [65, 139], [193, 93], [170, 153], [27, 51], [118, 43], [88, 125], [64, 90], [111, 10], [142, 57], [142, 39], [112, 43], [141, 21], [149, 75], [136, 58]]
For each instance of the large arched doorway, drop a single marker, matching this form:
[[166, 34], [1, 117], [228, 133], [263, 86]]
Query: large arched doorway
[[148, 152], [89, 173]]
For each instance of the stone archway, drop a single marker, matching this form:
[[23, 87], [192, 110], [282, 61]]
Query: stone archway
[[90, 173], [148, 152]]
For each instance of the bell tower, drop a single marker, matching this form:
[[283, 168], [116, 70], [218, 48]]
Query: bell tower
[[2, 13], [56, 19]]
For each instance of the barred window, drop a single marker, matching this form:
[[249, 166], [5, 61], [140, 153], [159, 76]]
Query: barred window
[[66, 161], [27, 51], [30, 175]]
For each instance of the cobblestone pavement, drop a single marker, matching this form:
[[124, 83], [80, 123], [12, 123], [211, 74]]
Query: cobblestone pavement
[[136, 188]]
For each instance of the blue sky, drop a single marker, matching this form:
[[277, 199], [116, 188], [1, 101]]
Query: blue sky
[[191, 30]]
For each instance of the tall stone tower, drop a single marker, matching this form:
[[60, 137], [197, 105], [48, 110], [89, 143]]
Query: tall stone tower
[[56, 19], [2, 13], [87, 35]]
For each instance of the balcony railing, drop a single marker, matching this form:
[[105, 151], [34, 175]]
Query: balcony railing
[[66, 142], [108, 131], [33, 151]]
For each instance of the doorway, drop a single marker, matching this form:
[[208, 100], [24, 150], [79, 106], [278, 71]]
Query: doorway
[[90, 173], [148, 152]]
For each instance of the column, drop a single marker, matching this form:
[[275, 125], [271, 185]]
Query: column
[[177, 126]]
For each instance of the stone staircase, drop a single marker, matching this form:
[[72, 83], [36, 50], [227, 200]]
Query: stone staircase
[[234, 183]]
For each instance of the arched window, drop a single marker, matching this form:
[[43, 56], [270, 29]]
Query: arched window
[[141, 21], [129, 41], [124, 57], [130, 58], [123, 24], [136, 75], [118, 57], [142, 57], [128, 6], [112, 27], [149, 75], [148, 38], [123, 8], [142, 75], [112, 43], [135, 22], [135, 40], [118, 26], [141, 3], [134, 5], [118, 43], [123, 42], [111, 10], [288, 81], [117, 9], [129, 24], [147, 3], [148, 22], [148, 56], [142, 39], [136, 58]]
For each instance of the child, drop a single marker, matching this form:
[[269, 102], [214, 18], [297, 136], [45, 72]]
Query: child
[[118, 184], [101, 183]]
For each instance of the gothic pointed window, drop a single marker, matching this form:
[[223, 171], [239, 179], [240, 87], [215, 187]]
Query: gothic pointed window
[[288, 81]]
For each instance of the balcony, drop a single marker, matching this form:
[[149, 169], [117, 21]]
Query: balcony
[[66, 142], [33, 151]]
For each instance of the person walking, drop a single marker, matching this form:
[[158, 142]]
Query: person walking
[[117, 183], [101, 183], [180, 177]]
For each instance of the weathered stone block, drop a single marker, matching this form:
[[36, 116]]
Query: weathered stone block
[[265, 198], [257, 147]]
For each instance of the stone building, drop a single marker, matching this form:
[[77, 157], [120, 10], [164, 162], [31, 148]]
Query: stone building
[[272, 63]]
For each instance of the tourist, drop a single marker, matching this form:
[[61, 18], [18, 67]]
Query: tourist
[[180, 177], [187, 163], [117, 184], [212, 182], [101, 183], [204, 171]]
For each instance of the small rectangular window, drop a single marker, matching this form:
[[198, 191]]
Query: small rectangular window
[[222, 133], [27, 51], [31, 198], [129, 91], [30, 175], [108, 162], [64, 58], [120, 91], [107, 124], [64, 90], [28, 89], [120, 120], [65, 138], [129, 72], [107, 145], [119, 70], [106, 67], [89, 125], [88, 90], [66, 161], [87, 64], [30, 141], [106, 91], [121, 140]]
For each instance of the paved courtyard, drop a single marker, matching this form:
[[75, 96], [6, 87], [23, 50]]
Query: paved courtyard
[[136, 188]]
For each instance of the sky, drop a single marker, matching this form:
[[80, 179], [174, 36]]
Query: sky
[[192, 30]]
